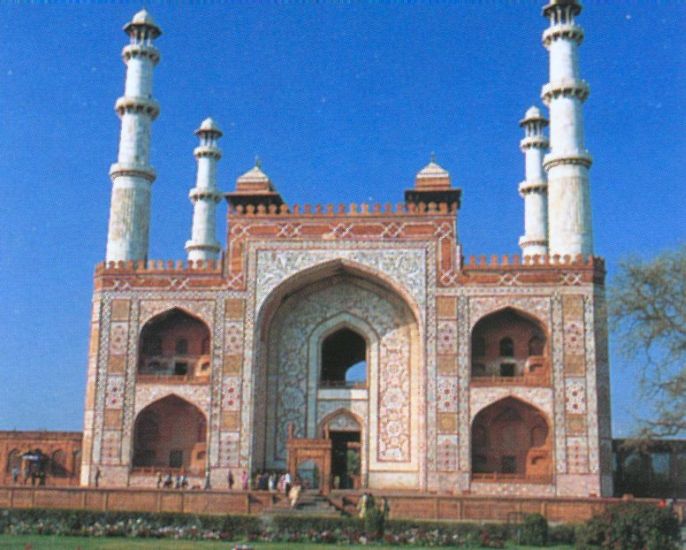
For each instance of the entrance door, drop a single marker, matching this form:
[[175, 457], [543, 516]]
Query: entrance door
[[345, 459]]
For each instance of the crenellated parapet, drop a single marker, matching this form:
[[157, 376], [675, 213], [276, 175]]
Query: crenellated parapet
[[344, 210], [159, 274], [516, 270]]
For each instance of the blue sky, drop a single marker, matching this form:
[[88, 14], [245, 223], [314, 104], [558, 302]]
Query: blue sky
[[343, 103]]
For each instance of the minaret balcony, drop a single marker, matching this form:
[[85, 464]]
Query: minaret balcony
[[583, 158], [198, 193], [141, 50], [531, 142], [565, 30], [566, 87], [137, 105], [207, 151], [132, 170], [533, 186]]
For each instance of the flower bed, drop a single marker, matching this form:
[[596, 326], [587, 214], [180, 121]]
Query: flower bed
[[654, 527]]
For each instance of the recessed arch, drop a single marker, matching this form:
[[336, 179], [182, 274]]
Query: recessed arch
[[511, 439], [510, 343], [325, 270], [13, 461], [341, 420], [170, 433], [58, 463], [174, 343]]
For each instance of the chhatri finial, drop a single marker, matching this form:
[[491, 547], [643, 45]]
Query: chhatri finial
[[258, 162], [432, 157]]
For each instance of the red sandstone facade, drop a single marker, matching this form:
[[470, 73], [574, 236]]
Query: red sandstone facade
[[485, 377], [60, 454]]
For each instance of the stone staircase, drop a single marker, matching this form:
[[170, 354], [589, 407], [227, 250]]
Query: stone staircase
[[308, 505]]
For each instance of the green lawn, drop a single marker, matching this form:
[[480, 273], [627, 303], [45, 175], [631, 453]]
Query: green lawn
[[38, 542]]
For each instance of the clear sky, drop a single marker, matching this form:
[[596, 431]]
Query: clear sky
[[343, 103]]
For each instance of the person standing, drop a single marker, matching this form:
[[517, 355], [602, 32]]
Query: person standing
[[97, 477], [244, 480], [15, 474], [230, 480], [287, 483]]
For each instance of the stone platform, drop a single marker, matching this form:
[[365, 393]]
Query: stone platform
[[423, 506]]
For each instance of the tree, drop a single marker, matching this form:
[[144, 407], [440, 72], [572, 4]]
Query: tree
[[647, 310]]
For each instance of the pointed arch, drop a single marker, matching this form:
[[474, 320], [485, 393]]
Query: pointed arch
[[174, 343], [349, 421], [168, 433], [502, 343], [13, 460], [325, 270], [511, 438]]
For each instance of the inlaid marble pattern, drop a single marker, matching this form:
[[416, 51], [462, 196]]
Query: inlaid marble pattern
[[292, 365]]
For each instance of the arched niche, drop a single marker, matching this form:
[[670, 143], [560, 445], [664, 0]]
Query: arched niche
[[511, 346], [174, 344], [170, 433], [511, 439], [13, 461], [343, 359]]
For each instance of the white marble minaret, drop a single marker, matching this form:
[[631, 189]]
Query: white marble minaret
[[132, 175], [205, 195], [567, 164], [534, 189]]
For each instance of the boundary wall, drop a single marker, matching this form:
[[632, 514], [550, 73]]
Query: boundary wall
[[402, 506]]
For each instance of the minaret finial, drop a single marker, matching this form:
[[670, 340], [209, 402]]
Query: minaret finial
[[258, 162], [432, 157]]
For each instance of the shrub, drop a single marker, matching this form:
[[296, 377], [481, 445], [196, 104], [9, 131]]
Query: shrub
[[562, 534], [374, 523], [534, 530], [631, 526]]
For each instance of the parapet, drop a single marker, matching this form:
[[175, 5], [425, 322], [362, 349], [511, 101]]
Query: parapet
[[517, 262], [513, 270], [343, 210], [159, 266]]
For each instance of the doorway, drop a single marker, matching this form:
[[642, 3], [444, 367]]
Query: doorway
[[345, 459]]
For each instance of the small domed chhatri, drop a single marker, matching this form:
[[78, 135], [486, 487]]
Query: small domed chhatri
[[433, 170], [209, 125], [254, 175], [143, 20]]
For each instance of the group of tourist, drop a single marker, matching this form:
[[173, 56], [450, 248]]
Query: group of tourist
[[274, 482], [34, 466], [180, 481]]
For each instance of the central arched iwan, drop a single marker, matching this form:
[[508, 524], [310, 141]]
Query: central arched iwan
[[311, 331]]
